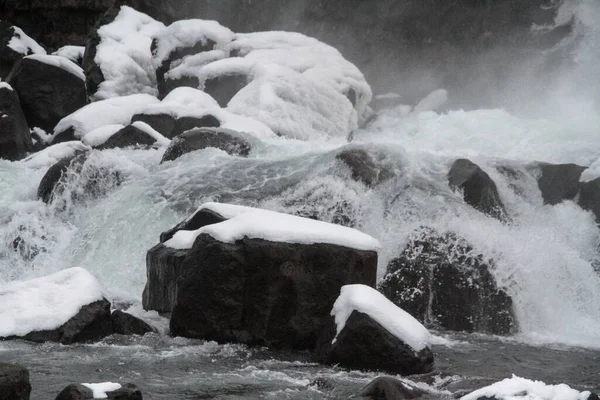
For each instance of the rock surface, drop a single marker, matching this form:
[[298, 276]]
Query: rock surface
[[128, 391], [364, 167], [128, 137], [14, 382], [227, 140], [126, 324], [15, 139], [388, 388], [589, 196], [559, 182], [49, 182]]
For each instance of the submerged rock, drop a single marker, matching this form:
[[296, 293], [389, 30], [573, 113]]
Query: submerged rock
[[128, 391], [440, 282], [232, 142], [15, 138], [388, 388], [364, 167], [55, 173], [14, 382], [128, 137], [559, 182], [126, 324]]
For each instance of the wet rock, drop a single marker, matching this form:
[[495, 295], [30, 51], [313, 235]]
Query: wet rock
[[15, 138], [54, 175], [184, 124], [232, 142], [91, 323], [128, 137], [440, 282], [559, 182], [366, 345], [388, 388], [126, 324], [48, 93], [9, 55], [479, 190], [222, 88], [589, 196], [128, 391], [364, 167], [161, 123], [14, 382], [201, 218]]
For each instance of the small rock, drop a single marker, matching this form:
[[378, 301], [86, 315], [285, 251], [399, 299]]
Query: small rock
[[364, 167], [14, 382], [128, 391], [232, 142], [126, 324], [388, 388], [128, 137]]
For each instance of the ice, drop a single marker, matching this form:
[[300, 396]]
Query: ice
[[117, 110], [51, 155], [516, 388], [124, 55], [73, 53], [23, 44], [160, 139], [46, 303], [100, 135], [99, 389], [276, 227], [60, 62], [395, 320]]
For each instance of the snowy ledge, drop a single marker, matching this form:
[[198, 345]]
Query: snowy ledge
[[273, 226], [46, 303], [395, 320]]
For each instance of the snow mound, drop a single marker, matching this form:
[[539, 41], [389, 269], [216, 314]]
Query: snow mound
[[124, 55], [73, 53], [53, 154], [257, 223], [117, 110], [144, 127], [23, 44], [99, 389], [46, 303], [395, 320], [60, 62], [516, 388], [100, 135], [592, 173]]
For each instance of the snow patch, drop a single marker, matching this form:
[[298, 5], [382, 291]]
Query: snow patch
[[4, 85], [46, 303], [23, 44], [53, 154], [516, 388], [100, 135], [592, 173], [60, 62], [395, 320], [256, 223], [73, 53], [99, 389]]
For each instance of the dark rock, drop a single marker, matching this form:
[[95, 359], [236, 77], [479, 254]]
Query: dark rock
[[222, 88], [559, 182], [128, 137], [162, 123], [126, 324], [201, 218], [593, 396], [14, 382], [366, 345], [589, 196], [440, 282], [323, 384], [54, 175], [184, 124], [364, 167], [169, 84], [479, 190], [8, 56], [91, 323], [68, 135], [128, 391], [227, 140], [388, 388], [48, 93], [15, 139]]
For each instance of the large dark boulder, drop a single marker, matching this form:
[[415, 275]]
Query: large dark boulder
[[128, 391], [366, 345], [559, 182], [232, 142], [128, 137], [438, 281], [15, 139], [479, 190], [126, 324], [365, 167], [14, 382], [589, 196], [48, 93], [388, 388]]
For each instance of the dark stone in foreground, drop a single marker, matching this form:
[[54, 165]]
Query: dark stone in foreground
[[366, 345], [128, 137], [91, 323], [14, 382], [478, 188], [388, 388], [15, 139], [227, 140], [438, 282], [559, 182], [364, 167], [126, 324], [589, 196], [128, 391]]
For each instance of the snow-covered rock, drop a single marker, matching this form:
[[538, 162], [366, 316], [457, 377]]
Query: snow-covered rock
[[137, 134], [14, 382], [232, 142], [67, 306], [516, 388], [73, 53], [388, 388], [369, 332], [14, 45], [103, 390], [50, 87], [53, 154], [118, 110], [15, 138], [274, 277]]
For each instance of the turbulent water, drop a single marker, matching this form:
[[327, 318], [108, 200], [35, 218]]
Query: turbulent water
[[545, 258]]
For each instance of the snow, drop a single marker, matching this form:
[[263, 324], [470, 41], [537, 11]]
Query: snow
[[257, 223], [160, 139], [51, 155], [73, 53], [100, 135], [60, 62], [4, 85], [118, 110], [432, 101], [516, 388], [124, 55], [42, 134], [23, 44], [99, 389], [592, 173], [46, 303], [395, 320]]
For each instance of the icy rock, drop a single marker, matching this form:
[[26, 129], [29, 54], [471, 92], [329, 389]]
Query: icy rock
[[14, 45], [388, 388], [126, 324], [364, 167], [15, 138], [107, 390], [14, 382], [438, 281], [559, 182], [479, 190], [369, 332], [49, 87], [589, 196], [234, 143]]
